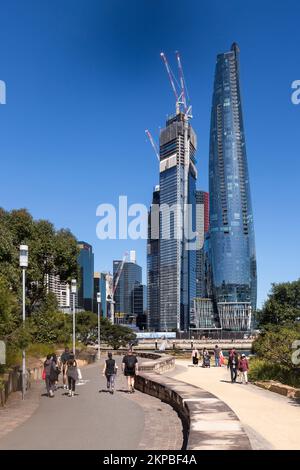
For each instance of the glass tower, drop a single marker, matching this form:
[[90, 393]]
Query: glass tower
[[130, 277], [153, 265], [86, 265], [177, 187], [232, 246]]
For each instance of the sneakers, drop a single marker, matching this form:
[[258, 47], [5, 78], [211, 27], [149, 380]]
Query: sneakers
[[51, 394], [70, 393]]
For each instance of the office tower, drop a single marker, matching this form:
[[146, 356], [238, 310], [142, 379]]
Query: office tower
[[177, 259], [153, 264], [231, 220], [86, 286], [139, 296], [202, 201], [130, 277], [100, 286], [60, 289]]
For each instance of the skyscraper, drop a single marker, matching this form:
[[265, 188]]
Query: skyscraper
[[202, 201], [153, 267], [231, 241], [86, 287], [177, 189], [100, 286], [130, 277]]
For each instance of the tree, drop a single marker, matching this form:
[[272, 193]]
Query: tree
[[283, 304], [116, 336], [86, 326], [50, 252], [275, 345]]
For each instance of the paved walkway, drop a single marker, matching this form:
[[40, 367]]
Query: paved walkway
[[270, 420], [93, 419]]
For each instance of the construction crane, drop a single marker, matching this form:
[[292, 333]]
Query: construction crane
[[152, 142], [115, 285]]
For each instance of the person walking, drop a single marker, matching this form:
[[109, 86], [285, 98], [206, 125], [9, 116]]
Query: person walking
[[206, 358], [72, 374], [50, 375], [63, 364], [109, 371], [195, 356], [233, 363], [221, 359], [243, 368], [217, 355], [130, 369]]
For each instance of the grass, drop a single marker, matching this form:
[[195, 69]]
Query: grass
[[263, 370]]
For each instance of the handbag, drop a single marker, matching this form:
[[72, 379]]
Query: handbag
[[44, 375], [79, 374]]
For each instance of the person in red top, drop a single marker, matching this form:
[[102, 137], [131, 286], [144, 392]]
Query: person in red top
[[243, 368]]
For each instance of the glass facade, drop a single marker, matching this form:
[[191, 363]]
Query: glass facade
[[100, 286], [232, 245], [202, 201], [153, 268], [177, 187], [86, 286], [130, 277]]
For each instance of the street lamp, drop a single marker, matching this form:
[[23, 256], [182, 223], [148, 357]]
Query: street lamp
[[23, 265], [73, 292], [99, 312]]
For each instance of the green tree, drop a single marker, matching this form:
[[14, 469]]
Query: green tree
[[116, 336], [86, 326], [283, 304]]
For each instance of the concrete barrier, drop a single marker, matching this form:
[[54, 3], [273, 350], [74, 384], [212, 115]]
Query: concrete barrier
[[208, 423]]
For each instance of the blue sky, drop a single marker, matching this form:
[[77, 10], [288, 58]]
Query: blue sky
[[84, 80]]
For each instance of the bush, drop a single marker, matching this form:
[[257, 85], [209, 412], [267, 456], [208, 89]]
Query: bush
[[263, 370]]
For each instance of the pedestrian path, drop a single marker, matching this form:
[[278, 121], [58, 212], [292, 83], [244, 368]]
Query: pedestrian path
[[93, 419], [270, 420]]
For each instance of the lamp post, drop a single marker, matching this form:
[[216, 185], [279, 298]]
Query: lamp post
[[73, 292], [99, 314], [23, 265]]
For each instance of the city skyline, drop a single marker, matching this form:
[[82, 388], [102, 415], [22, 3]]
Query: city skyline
[[43, 143]]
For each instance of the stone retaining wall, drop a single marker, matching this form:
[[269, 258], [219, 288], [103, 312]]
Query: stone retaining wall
[[280, 388], [208, 423]]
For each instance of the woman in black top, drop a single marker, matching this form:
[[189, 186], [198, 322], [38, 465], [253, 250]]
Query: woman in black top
[[110, 370]]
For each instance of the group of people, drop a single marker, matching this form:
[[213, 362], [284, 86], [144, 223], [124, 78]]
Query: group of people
[[206, 357], [54, 366], [67, 365], [238, 364]]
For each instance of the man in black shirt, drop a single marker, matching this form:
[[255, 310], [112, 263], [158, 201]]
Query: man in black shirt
[[130, 369], [63, 365]]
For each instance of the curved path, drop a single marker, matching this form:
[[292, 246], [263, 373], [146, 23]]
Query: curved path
[[93, 419], [270, 420]]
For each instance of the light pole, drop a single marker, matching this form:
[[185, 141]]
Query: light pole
[[99, 314], [23, 265], [73, 291]]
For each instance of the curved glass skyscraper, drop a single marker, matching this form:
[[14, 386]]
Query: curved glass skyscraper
[[232, 242]]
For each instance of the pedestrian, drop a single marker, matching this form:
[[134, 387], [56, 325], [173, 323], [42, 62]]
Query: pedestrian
[[217, 355], [195, 356], [221, 361], [57, 369], [110, 370], [156, 344], [243, 368], [50, 375], [233, 364], [130, 369], [72, 374], [63, 364], [206, 358]]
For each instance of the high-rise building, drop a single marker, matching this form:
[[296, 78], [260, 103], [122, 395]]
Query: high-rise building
[[86, 286], [177, 260], [233, 260], [60, 289], [153, 265], [100, 286], [139, 295], [202, 201], [130, 277]]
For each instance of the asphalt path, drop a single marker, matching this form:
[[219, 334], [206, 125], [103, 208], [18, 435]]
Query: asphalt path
[[92, 419]]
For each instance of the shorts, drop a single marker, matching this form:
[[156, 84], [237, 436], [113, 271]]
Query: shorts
[[129, 373]]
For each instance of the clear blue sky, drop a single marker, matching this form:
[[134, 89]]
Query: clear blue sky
[[84, 80]]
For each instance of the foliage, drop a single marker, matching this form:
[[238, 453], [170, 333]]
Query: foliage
[[261, 369], [50, 252], [116, 336], [48, 325], [86, 327], [283, 304]]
